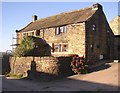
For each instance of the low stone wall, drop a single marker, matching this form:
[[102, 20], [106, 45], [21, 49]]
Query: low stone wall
[[41, 66]]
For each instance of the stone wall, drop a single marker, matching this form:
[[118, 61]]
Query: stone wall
[[41, 66], [82, 40], [74, 37], [117, 47], [115, 25], [99, 41]]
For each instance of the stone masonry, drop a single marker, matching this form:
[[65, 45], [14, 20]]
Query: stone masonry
[[47, 66], [115, 26], [87, 34], [76, 45]]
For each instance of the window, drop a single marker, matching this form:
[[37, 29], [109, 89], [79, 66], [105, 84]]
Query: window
[[62, 47], [98, 46], [24, 34], [65, 29], [118, 47], [94, 27], [91, 47], [27, 34], [108, 31], [59, 30], [32, 33], [38, 33], [57, 48]]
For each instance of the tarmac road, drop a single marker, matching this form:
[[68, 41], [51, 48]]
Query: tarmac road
[[103, 80]]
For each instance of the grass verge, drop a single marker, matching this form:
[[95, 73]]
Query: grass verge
[[14, 75]]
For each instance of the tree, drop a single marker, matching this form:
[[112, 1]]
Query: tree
[[26, 47]]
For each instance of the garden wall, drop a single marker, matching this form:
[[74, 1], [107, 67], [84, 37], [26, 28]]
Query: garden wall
[[41, 67]]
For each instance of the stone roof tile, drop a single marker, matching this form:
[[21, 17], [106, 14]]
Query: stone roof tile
[[61, 19]]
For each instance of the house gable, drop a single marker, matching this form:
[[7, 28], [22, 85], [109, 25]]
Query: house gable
[[63, 19], [72, 32]]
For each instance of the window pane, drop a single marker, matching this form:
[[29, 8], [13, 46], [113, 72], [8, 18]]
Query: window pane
[[57, 31], [61, 29], [65, 29], [108, 31], [56, 48], [94, 27], [60, 47], [92, 47], [118, 48], [32, 33], [64, 48], [24, 34], [38, 33], [52, 47]]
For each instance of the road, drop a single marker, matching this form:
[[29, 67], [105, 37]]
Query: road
[[103, 80]]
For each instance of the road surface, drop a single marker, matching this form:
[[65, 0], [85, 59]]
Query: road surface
[[102, 80]]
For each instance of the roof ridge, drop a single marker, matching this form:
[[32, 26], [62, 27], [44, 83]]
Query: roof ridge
[[64, 13], [75, 10], [25, 26], [63, 18]]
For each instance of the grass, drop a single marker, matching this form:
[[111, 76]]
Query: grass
[[14, 75]]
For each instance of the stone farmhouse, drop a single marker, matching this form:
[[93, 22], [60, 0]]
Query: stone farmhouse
[[84, 32]]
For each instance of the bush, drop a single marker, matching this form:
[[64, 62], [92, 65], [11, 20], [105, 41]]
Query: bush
[[79, 65], [25, 48]]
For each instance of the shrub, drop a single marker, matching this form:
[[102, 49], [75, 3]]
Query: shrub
[[79, 65], [25, 48]]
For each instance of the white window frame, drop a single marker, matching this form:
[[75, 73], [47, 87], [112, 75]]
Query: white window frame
[[94, 27], [65, 29], [59, 30], [60, 47], [66, 50]]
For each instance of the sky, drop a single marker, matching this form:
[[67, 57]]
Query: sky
[[16, 15]]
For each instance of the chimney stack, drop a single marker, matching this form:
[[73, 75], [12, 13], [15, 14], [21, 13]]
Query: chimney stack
[[34, 18], [96, 6]]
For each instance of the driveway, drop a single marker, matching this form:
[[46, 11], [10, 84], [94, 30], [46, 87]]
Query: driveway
[[100, 80]]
